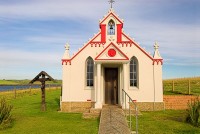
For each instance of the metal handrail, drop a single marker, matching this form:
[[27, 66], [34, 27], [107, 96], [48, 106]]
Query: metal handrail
[[124, 95]]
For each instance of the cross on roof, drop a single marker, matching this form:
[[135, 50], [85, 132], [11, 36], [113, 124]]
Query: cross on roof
[[111, 2]]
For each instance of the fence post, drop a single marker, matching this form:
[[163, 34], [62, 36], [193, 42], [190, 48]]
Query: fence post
[[189, 90], [30, 89], [61, 91], [15, 92], [173, 86], [49, 86]]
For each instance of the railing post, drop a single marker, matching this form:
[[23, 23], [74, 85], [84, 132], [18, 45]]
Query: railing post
[[173, 86], [136, 111], [136, 118], [122, 98], [15, 92], [189, 90], [130, 114], [125, 105], [30, 89]]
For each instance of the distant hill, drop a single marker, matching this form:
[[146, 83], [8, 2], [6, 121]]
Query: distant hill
[[184, 78], [25, 82]]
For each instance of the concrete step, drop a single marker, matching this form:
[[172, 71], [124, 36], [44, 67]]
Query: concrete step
[[92, 113], [94, 110]]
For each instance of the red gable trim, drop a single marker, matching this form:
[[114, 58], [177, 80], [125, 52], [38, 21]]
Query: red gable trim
[[138, 47], [67, 60], [157, 61], [126, 58], [114, 16], [95, 37]]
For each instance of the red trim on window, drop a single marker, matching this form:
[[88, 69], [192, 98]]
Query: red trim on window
[[126, 58]]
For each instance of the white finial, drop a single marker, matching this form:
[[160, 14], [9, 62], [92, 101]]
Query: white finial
[[156, 46], [111, 2], [156, 52], [67, 46], [66, 54]]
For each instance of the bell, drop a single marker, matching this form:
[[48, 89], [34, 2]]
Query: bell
[[111, 27]]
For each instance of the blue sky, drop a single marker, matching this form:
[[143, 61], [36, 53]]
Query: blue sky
[[33, 33]]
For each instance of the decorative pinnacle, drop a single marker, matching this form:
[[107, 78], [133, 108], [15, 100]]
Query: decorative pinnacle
[[67, 46], [156, 46], [66, 54], [156, 52], [111, 2]]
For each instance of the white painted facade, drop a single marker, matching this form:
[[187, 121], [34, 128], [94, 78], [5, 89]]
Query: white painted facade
[[122, 48]]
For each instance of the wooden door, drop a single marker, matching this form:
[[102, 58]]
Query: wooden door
[[111, 86]]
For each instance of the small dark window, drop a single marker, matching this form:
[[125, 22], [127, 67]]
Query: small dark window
[[133, 72], [111, 27], [90, 72]]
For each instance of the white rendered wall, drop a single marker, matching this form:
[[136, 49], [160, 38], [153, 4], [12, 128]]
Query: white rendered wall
[[74, 83], [150, 76], [158, 82]]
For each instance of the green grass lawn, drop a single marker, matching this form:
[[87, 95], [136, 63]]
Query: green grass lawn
[[165, 122], [8, 82], [28, 119]]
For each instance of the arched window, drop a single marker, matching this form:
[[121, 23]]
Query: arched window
[[90, 72], [111, 27], [134, 72]]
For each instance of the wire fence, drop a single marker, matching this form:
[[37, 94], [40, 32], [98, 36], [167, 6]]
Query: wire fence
[[182, 86], [15, 91]]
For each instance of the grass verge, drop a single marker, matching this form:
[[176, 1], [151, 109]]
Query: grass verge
[[165, 122], [29, 119]]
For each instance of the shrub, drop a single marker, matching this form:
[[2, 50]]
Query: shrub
[[5, 115], [193, 112]]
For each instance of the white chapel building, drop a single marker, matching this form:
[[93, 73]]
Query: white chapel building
[[109, 62]]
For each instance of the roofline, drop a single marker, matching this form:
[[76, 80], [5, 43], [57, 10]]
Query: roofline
[[109, 15], [83, 47], [138, 46], [126, 58]]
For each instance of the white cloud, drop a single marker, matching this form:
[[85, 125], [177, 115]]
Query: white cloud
[[24, 58], [179, 42], [51, 9]]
